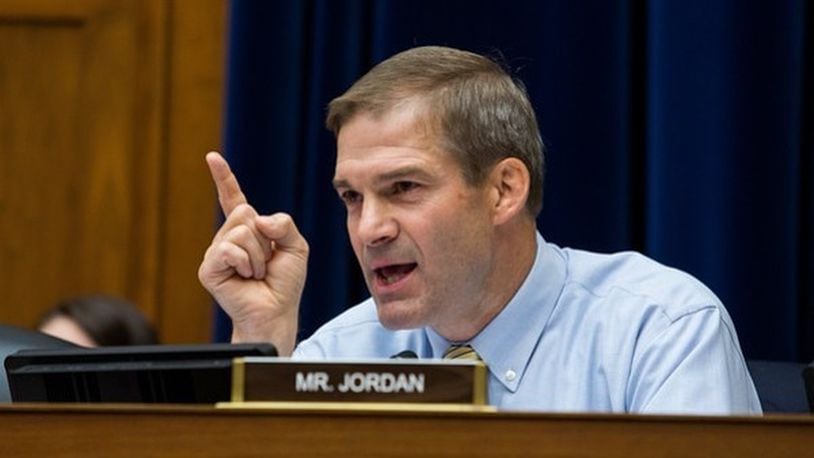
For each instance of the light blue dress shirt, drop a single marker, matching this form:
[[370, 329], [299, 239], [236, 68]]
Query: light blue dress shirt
[[585, 332]]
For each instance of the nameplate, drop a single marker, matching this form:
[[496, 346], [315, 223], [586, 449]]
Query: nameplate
[[269, 379]]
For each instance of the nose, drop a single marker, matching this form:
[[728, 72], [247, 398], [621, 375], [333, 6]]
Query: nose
[[376, 226]]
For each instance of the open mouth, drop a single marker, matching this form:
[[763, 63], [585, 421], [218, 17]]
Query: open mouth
[[391, 274]]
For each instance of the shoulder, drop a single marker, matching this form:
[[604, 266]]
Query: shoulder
[[629, 280], [357, 333], [358, 316], [627, 299], [660, 337]]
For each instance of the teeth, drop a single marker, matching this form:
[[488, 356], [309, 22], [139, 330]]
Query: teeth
[[388, 279]]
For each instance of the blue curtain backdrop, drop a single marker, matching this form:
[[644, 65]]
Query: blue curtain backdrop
[[682, 129]]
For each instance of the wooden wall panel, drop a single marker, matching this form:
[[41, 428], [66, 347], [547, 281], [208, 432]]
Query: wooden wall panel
[[97, 153], [196, 94], [35, 202]]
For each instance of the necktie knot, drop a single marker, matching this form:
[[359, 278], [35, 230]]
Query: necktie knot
[[461, 352]]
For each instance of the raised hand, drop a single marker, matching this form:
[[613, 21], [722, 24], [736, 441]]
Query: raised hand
[[255, 267]]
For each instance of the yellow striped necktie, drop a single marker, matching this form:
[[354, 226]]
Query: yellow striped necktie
[[462, 352]]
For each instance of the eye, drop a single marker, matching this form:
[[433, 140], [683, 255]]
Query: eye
[[401, 187], [350, 197]]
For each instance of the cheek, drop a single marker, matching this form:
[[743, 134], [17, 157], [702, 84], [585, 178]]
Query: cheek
[[467, 238], [350, 226], [358, 252], [451, 238]]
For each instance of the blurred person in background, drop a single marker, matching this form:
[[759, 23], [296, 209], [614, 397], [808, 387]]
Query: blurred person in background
[[98, 321]]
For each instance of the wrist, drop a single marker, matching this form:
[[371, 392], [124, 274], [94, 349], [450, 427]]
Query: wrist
[[279, 331]]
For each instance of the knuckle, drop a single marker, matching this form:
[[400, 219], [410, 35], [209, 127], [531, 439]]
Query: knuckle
[[202, 277], [284, 219], [243, 211], [242, 233]]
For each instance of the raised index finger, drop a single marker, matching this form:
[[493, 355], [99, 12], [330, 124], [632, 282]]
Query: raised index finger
[[229, 193]]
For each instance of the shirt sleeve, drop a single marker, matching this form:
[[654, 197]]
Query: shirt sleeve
[[694, 365]]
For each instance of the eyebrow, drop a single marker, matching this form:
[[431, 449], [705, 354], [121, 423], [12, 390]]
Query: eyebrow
[[393, 175]]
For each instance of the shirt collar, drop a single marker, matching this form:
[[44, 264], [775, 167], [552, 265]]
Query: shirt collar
[[508, 341]]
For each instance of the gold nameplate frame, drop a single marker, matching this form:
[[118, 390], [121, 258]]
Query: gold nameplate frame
[[269, 379]]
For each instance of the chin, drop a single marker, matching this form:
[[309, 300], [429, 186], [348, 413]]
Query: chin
[[399, 315]]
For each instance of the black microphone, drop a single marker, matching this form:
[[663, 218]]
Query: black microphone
[[406, 354]]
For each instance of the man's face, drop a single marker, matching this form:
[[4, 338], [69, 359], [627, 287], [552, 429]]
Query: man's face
[[422, 235]]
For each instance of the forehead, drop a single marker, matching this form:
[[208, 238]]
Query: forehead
[[369, 144], [404, 124]]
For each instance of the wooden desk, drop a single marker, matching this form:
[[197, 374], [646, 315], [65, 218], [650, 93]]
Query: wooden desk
[[173, 431]]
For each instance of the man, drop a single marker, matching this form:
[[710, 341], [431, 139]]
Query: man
[[440, 165]]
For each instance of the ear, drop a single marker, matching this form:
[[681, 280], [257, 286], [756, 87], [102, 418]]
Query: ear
[[510, 182]]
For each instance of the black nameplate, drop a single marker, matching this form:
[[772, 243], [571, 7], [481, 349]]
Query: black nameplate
[[388, 380]]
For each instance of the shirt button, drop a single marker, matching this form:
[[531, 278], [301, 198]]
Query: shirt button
[[510, 375]]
